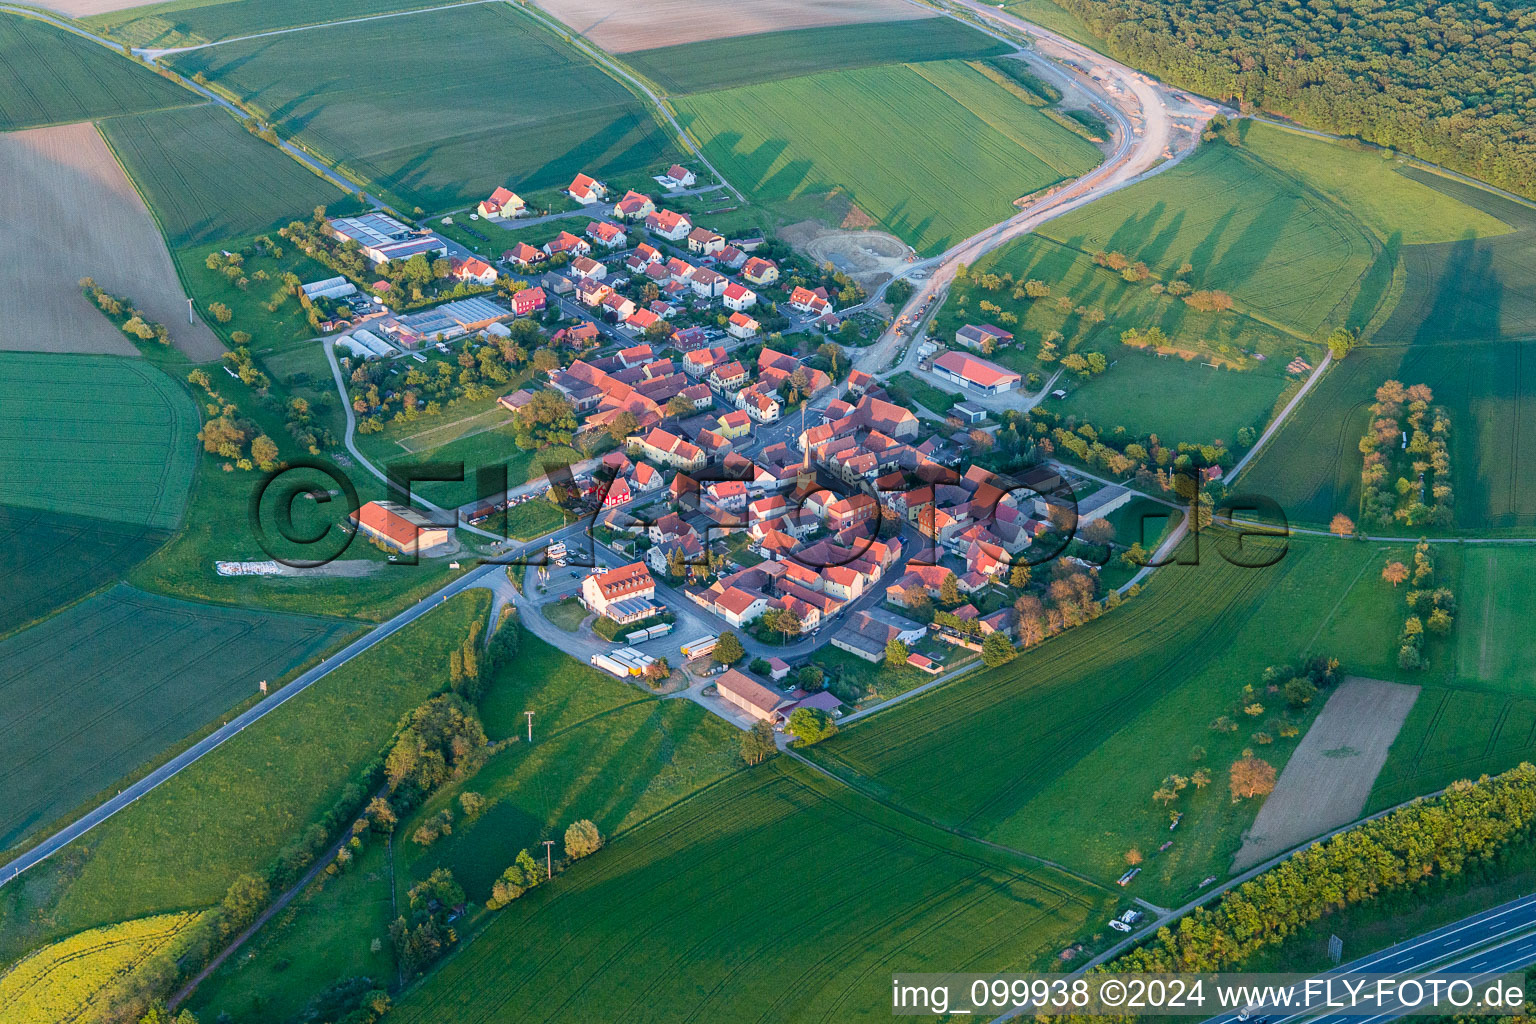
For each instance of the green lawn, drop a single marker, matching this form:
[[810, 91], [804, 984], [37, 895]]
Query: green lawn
[[189, 22], [532, 114], [1285, 252], [1374, 188], [95, 692], [917, 125], [50, 76], [97, 436], [187, 163], [287, 324], [934, 399], [235, 809], [49, 559], [1171, 397], [1098, 716], [776, 893], [767, 56], [568, 614]]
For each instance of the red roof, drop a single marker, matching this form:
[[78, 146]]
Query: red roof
[[734, 291], [626, 579], [975, 369]]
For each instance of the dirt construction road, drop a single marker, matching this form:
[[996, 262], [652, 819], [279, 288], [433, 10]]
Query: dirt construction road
[[67, 211]]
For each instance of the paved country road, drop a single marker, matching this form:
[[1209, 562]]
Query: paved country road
[[56, 842]]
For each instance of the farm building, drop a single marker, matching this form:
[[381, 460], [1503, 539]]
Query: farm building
[[400, 528], [330, 288], [448, 321], [868, 632], [382, 238], [738, 689], [975, 373], [982, 336]]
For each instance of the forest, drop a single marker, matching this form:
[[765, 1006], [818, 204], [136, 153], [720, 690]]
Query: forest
[[1446, 82]]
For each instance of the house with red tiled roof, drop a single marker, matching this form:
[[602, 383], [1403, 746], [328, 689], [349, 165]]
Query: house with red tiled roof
[[740, 607], [728, 376], [731, 258], [678, 176], [759, 271], [601, 591], [565, 242], [807, 301], [591, 292], [738, 297], [643, 256], [707, 284], [588, 268], [735, 424], [502, 203], [609, 236], [701, 360], [641, 319], [634, 206], [680, 271], [586, 190], [740, 325], [473, 271], [668, 224], [580, 336], [621, 307], [524, 255], [666, 448], [699, 395], [705, 241], [759, 402], [636, 355], [529, 301]]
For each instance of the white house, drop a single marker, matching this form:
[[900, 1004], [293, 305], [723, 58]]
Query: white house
[[738, 297]]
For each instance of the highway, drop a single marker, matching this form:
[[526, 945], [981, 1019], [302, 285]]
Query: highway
[[1511, 927]]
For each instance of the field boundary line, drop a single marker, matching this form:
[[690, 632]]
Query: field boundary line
[[153, 54]]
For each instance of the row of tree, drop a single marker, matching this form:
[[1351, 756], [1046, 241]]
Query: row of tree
[[1405, 475], [1430, 608]]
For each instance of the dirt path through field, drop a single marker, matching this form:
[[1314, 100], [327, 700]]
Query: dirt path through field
[[67, 211], [1327, 780]]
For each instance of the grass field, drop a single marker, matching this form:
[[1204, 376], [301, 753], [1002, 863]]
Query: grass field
[[533, 114], [1375, 189], [1284, 251], [602, 750], [766, 56], [1108, 711], [188, 162], [930, 397], [1169, 397], [248, 306], [102, 688], [97, 436], [64, 981], [672, 921], [48, 559], [189, 22], [568, 614], [940, 153], [1048, 15], [235, 809], [50, 76]]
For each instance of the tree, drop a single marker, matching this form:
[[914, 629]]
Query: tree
[[757, 743], [728, 649], [896, 652], [1133, 857], [264, 451], [1099, 531], [221, 312], [473, 805], [246, 897], [949, 590], [810, 725], [1341, 341], [622, 426], [783, 621], [1299, 692], [677, 405], [1394, 573], [1200, 778], [1251, 776], [582, 839], [997, 650], [1342, 526]]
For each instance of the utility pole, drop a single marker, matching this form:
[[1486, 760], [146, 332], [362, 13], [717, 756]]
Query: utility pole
[[549, 862], [530, 725], [189, 311]]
